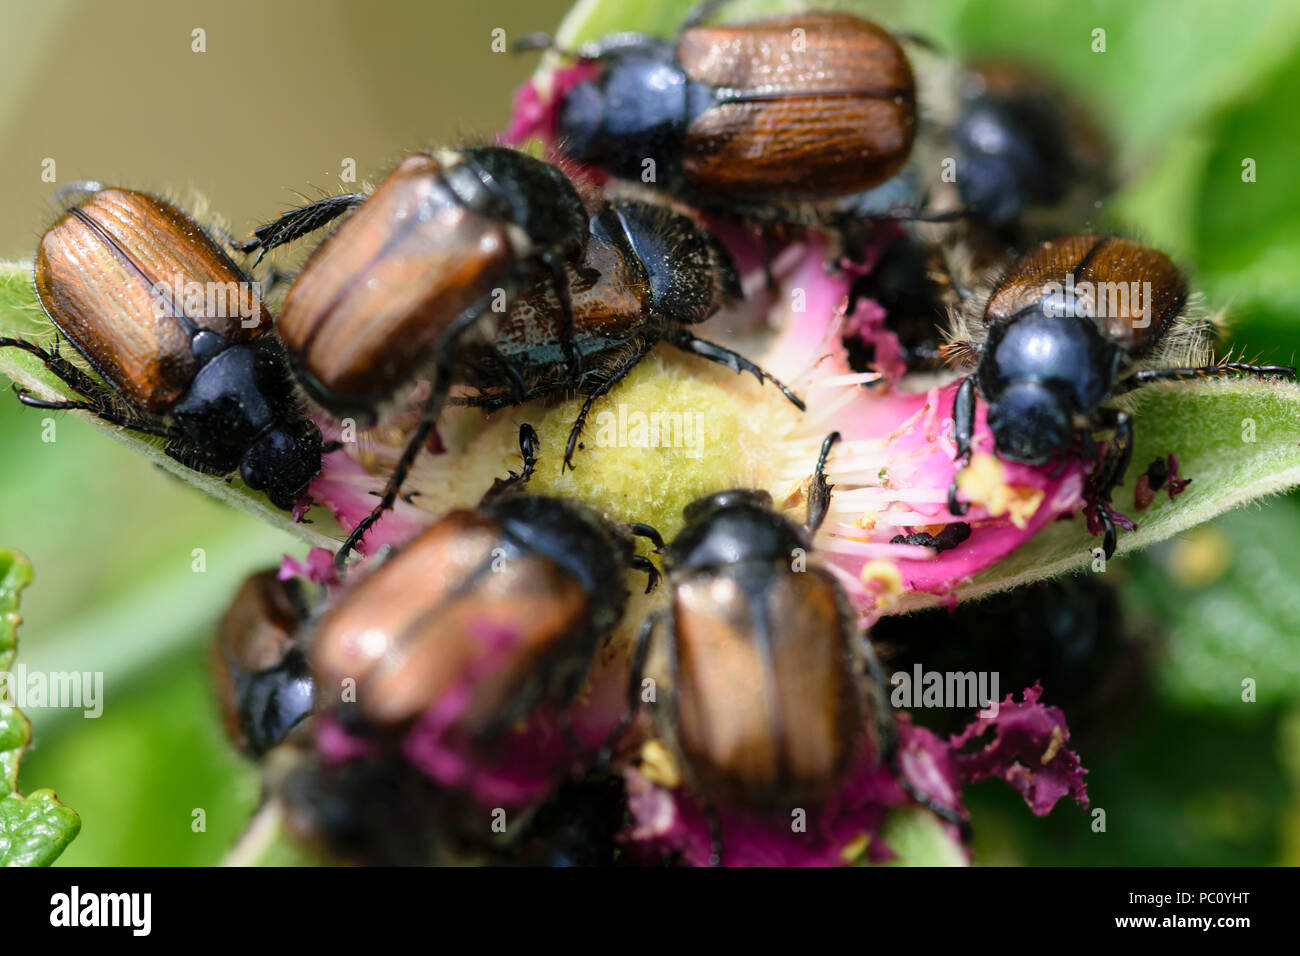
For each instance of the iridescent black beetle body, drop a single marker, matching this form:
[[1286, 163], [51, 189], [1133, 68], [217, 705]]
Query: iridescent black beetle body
[[1021, 145], [1059, 341], [262, 678], [647, 275], [504, 603], [1067, 634], [773, 691], [757, 121], [902, 284], [133, 283], [412, 274]]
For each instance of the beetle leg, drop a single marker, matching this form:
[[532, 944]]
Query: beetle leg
[[1110, 537], [493, 403], [924, 215], [540, 40], [919, 39], [640, 653], [687, 342], [1116, 460], [395, 481], [99, 398], [963, 427], [608, 47], [819, 492], [924, 800], [517, 387], [601, 389], [72, 376], [143, 426], [568, 342], [1112, 468], [528, 445], [445, 365], [1147, 376], [297, 223], [701, 12], [890, 755]]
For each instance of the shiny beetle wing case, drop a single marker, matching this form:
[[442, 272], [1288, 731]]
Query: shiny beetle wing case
[[1103, 262], [108, 273], [834, 117], [765, 703], [481, 602], [378, 295]]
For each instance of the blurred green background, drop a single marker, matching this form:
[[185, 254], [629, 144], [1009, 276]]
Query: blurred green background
[[286, 91]]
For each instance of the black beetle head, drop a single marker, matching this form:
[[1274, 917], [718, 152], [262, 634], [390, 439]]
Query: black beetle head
[[690, 274], [283, 461], [1013, 154], [274, 702], [732, 526], [702, 508], [581, 123], [533, 195], [1030, 422], [638, 110]]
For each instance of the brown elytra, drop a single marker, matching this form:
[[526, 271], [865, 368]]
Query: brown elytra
[[829, 111], [378, 297], [1096, 259], [107, 272], [766, 707]]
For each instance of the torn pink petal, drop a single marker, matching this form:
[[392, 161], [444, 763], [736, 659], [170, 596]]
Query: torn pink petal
[[318, 568], [1024, 744], [349, 491]]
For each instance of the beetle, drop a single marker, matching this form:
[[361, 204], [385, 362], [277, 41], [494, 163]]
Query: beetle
[[259, 670], [903, 283], [374, 809], [411, 275], [178, 333], [1076, 322], [752, 120], [1069, 634], [774, 691], [1020, 144], [1029, 160], [649, 272], [505, 603]]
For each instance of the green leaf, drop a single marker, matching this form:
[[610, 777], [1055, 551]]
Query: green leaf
[[1166, 63], [138, 773], [1247, 235], [21, 316], [919, 838], [1237, 440], [35, 829], [1228, 592]]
